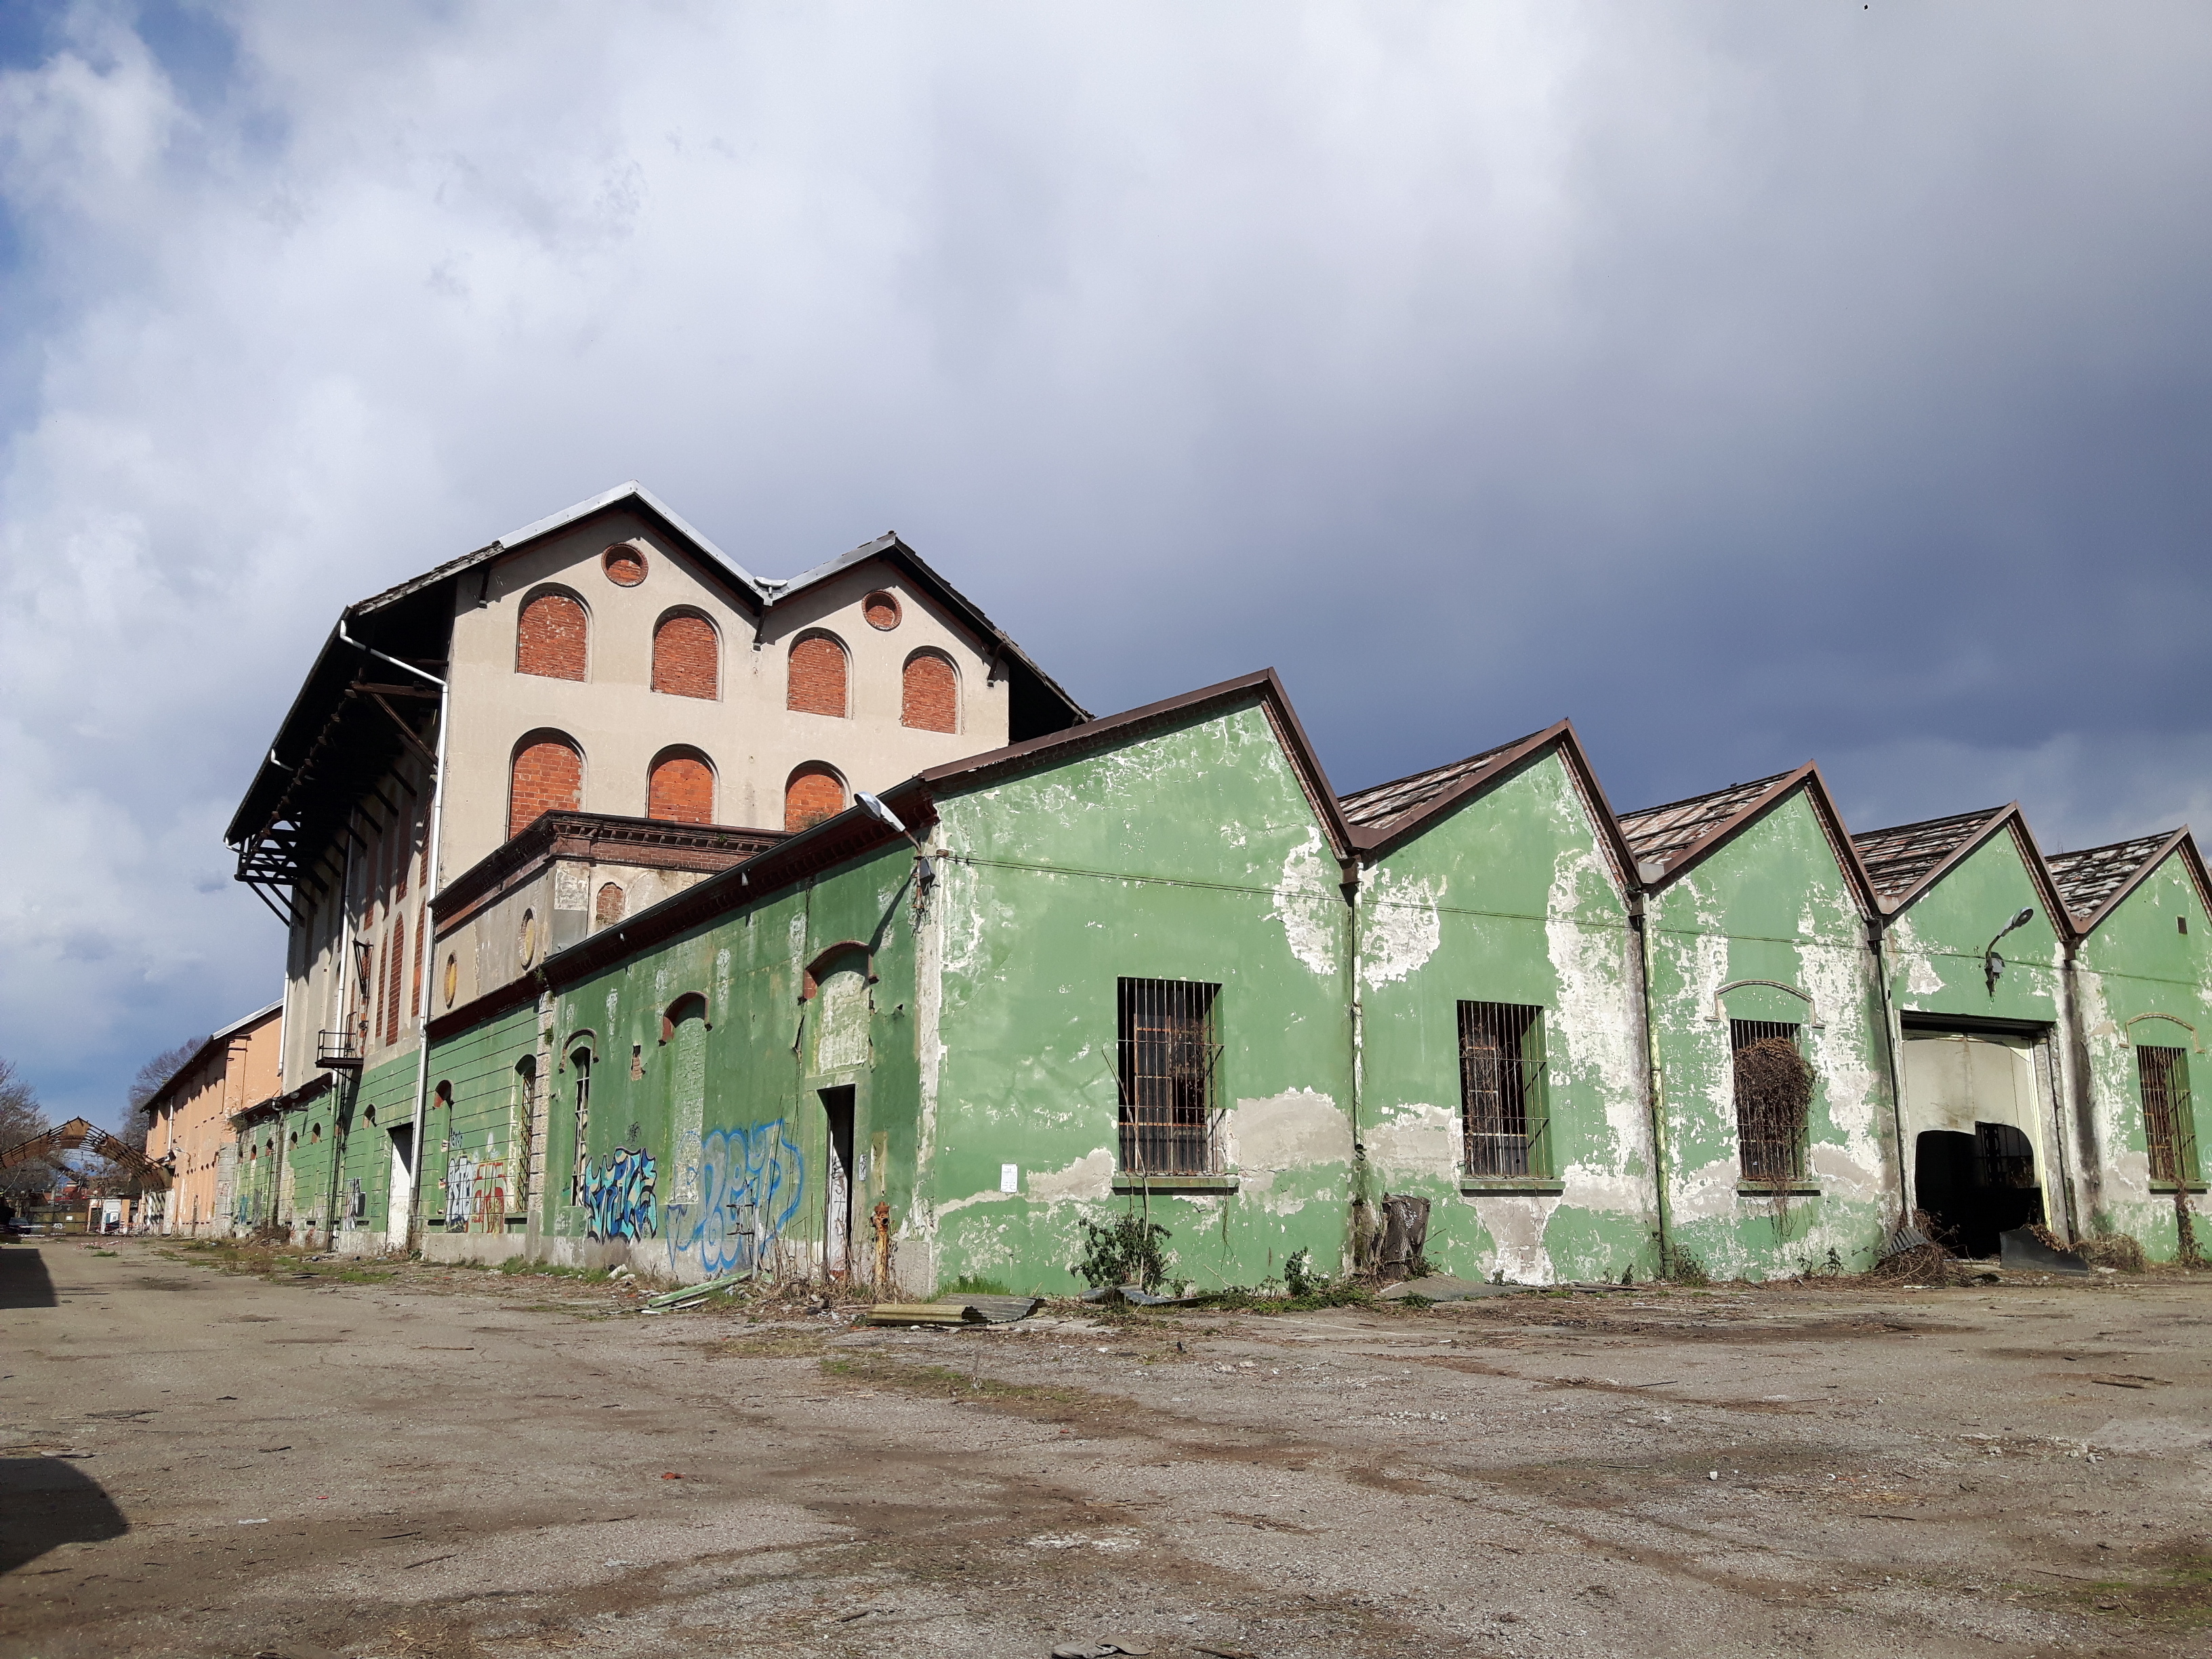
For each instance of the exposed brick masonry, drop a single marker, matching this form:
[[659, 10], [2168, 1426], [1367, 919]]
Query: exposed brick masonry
[[551, 638], [610, 902], [549, 776], [681, 790], [929, 698], [812, 795], [684, 656], [817, 676]]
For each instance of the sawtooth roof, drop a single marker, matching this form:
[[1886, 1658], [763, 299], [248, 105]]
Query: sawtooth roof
[[1900, 858], [1380, 806], [2090, 879], [1660, 835]]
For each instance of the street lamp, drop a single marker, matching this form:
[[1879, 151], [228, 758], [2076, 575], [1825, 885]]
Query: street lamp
[[1993, 965], [925, 871]]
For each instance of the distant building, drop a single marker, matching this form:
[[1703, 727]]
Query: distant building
[[189, 1128]]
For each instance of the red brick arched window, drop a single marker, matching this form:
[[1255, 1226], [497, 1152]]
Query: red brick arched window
[[681, 789], [553, 636], [813, 793], [817, 676], [686, 656], [395, 960], [929, 693], [547, 776]]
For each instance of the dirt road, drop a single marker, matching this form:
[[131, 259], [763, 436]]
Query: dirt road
[[452, 1463]]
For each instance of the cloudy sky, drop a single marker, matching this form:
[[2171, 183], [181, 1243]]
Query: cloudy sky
[[1753, 383]]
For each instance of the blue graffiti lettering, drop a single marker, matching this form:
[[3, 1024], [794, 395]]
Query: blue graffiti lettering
[[751, 1183], [618, 1196]]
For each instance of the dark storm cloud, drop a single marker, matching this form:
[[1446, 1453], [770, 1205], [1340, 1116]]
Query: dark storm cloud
[[1751, 384]]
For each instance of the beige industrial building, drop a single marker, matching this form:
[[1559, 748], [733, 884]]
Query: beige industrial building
[[189, 1127]]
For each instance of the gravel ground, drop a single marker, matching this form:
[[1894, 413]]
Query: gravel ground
[[204, 1459]]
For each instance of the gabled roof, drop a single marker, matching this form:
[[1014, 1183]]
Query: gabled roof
[[855, 831], [1387, 814], [336, 739], [2095, 880], [1669, 839], [218, 1040], [1906, 860]]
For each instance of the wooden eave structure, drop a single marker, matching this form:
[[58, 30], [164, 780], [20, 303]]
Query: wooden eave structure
[[600, 838]]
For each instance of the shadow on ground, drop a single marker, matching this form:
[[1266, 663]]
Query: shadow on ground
[[47, 1501], [24, 1281]]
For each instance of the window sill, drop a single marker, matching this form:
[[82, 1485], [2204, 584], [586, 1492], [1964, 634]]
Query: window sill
[[1778, 1188], [1163, 1183], [2166, 1188], [1510, 1186]]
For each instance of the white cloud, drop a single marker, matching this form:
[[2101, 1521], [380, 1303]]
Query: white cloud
[[1746, 381]]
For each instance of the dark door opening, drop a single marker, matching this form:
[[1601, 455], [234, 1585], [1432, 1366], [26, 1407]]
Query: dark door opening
[[837, 1183], [1974, 1187]]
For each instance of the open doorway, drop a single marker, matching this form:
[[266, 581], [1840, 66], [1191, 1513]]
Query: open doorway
[[403, 1187], [837, 1183], [1974, 1187]]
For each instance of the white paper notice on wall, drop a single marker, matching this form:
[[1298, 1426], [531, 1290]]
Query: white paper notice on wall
[[1010, 1177]]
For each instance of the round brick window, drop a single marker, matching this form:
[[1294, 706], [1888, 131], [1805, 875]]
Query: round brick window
[[881, 609], [526, 941], [452, 979], [624, 565]]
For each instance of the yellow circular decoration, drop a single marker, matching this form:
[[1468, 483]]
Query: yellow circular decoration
[[452, 978]]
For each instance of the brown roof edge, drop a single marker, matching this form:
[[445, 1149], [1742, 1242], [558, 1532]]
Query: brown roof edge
[[2010, 816], [1824, 806], [515, 993], [1264, 683], [2182, 840], [659, 844], [277, 1104], [1374, 841]]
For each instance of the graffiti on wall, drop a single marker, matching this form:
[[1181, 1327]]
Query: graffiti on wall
[[749, 1183], [476, 1194], [618, 1194]]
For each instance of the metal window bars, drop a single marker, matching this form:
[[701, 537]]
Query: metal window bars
[[1773, 1090], [2169, 1116], [1502, 1110], [1168, 1064]]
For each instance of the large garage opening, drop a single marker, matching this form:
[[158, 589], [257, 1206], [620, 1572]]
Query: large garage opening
[[1977, 1119]]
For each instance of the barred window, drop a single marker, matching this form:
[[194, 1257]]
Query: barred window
[[2169, 1116], [1773, 1097], [1169, 1062], [1503, 1107]]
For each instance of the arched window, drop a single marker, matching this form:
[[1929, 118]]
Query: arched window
[[548, 777], [814, 792], [681, 788], [686, 656], [552, 636], [929, 693], [611, 903], [817, 676], [395, 954]]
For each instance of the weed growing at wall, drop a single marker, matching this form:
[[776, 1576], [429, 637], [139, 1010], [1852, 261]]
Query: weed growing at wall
[[1131, 1249]]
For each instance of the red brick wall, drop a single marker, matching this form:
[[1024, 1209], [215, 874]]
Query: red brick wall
[[624, 565], [929, 698], [549, 777], [684, 656], [813, 793], [551, 637], [817, 676], [610, 902], [395, 954], [681, 790], [882, 611]]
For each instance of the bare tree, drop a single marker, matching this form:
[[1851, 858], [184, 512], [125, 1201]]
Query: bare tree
[[21, 1119], [147, 1082]]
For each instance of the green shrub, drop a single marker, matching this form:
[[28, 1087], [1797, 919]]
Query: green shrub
[[1127, 1251]]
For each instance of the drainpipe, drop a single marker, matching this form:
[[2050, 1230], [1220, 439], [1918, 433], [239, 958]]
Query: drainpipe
[[429, 898], [1662, 1196], [1875, 934], [2074, 1084], [1356, 1035]]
